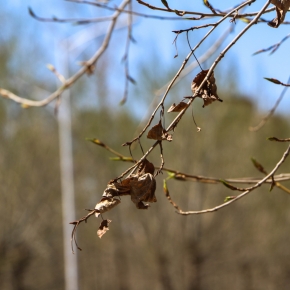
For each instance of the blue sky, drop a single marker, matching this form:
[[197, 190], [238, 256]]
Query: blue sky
[[157, 36]]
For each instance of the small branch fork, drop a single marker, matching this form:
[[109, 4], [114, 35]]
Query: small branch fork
[[76, 224]]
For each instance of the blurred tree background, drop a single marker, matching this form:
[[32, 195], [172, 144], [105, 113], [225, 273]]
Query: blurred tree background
[[243, 246]]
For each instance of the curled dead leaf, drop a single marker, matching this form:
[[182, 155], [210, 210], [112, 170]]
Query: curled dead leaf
[[103, 228], [157, 132], [208, 91], [143, 189], [282, 7], [177, 108], [105, 204]]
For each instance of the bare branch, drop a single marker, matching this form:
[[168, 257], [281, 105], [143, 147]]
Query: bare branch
[[166, 192], [222, 14], [285, 155], [274, 47], [181, 176], [279, 140], [76, 224], [272, 111], [125, 11], [75, 21], [77, 75]]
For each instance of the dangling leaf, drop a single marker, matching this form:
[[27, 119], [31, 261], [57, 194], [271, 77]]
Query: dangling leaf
[[157, 132], [103, 228], [143, 189], [208, 90]]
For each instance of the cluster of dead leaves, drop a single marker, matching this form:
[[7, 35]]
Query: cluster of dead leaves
[[140, 186], [208, 93]]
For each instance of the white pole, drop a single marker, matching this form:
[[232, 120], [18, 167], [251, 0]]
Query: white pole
[[66, 155], [67, 179]]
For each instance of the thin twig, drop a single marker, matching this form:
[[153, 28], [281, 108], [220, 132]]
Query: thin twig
[[74, 20], [76, 224], [273, 47], [57, 74], [184, 12], [258, 184], [271, 112], [279, 140], [273, 181], [125, 11], [213, 48], [162, 159], [178, 175], [166, 192]]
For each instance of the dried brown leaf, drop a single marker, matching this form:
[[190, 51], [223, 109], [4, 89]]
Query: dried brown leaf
[[103, 228], [208, 91], [145, 167], [157, 132], [177, 108], [143, 189], [105, 204], [282, 7]]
